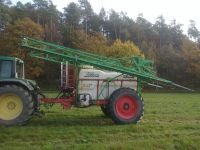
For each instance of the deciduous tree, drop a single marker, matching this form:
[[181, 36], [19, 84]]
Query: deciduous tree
[[11, 44]]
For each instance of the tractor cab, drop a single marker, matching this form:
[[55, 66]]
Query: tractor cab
[[11, 67]]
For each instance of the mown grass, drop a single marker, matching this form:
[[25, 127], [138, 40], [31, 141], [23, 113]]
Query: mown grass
[[171, 122]]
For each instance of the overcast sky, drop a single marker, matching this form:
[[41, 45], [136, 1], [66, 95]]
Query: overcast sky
[[181, 10]]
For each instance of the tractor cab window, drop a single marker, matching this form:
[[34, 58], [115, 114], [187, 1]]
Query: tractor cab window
[[5, 69], [19, 69]]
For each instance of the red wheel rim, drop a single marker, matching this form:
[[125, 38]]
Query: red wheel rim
[[126, 107]]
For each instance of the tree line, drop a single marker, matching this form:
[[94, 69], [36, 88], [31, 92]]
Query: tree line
[[110, 33]]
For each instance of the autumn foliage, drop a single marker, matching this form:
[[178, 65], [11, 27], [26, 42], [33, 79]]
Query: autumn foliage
[[110, 33], [10, 44], [121, 49]]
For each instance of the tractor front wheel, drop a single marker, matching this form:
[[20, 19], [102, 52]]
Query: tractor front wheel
[[126, 106], [16, 105]]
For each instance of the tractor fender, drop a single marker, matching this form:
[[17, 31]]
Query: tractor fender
[[23, 83]]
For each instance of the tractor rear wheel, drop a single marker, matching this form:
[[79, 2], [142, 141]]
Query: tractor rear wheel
[[126, 106], [105, 109], [16, 105]]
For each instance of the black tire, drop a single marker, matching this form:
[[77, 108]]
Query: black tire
[[26, 101], [126, 106], [105, 110]]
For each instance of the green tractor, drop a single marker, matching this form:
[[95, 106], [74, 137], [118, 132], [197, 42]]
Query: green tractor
[[18, 96]]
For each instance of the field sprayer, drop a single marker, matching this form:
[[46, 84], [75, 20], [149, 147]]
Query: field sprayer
[[86, 79]]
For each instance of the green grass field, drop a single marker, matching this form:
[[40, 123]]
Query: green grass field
[[171, 121]]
